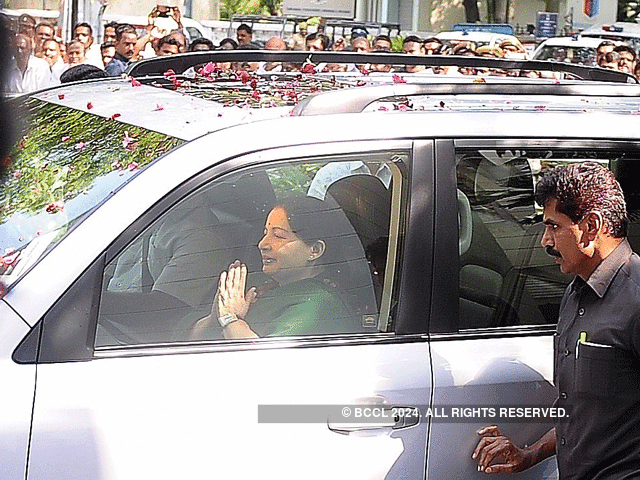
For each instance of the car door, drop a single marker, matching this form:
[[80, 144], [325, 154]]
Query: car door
[[494, 357], [16, 395], [495, 353], [129, 393]]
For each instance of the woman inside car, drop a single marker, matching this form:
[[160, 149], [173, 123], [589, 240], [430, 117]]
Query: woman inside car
[[300, 242]]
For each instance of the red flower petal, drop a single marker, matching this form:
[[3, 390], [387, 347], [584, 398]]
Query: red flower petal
[[244, 76], [61, 96], [89, 105], [114, 116], [398, 79], [135, 83], [308, 68]]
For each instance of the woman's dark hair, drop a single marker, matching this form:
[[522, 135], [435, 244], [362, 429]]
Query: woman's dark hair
[[581, 188], [313, 220]]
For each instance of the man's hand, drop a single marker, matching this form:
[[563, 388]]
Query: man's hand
[[495, 446], [151, 19], [177, 16]]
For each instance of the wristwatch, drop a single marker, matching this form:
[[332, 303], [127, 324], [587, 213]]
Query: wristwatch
[[227, 319]]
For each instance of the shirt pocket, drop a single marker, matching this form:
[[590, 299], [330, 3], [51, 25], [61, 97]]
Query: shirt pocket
[[596, 370]]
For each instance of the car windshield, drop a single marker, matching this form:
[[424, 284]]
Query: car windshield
[[66, 163], [580, 55]]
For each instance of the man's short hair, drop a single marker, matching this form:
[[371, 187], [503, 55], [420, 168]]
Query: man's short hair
[[326, 41], [201, 41], [77, 42], [433, 40], [412, 39], [581, 188], [626, 48], [106, 45], [83, 71], [246, 28], [85, 25], [26, 21], [230, 41], [123, 28], [179, 35], [358, 31], [168, 40], [605, 43], [384, 38], [249, 46], [111, 24], [46, 24]]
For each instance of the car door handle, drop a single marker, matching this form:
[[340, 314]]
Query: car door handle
[[375, 418]]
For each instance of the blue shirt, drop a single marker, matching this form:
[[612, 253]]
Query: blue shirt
[[117, 66]]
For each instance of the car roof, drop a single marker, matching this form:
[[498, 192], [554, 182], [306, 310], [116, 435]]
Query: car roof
[[199, 107], [617, 29], [476, 36], [158, 109], [578, 42]]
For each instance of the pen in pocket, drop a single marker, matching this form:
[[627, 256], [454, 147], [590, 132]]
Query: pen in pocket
[[583, 340]]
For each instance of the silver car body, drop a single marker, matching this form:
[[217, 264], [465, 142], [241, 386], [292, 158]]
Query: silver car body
[[190, 410]]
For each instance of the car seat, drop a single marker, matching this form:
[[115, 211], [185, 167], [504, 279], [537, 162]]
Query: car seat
[[366, 203]]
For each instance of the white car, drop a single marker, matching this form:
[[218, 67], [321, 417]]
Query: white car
[[619, 31], [580, 50], [481, 39], [433, 311]]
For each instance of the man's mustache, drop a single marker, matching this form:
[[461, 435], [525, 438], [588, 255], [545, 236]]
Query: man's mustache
[[551, 252]]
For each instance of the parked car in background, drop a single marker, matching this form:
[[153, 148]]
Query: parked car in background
[[480, 39], [127, 197], [619, 31], [575, 49], [503, 28]]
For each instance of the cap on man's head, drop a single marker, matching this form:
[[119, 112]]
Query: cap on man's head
[[26, 21], [358, 32]]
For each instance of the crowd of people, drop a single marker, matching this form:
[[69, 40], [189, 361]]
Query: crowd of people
[[42, 59], [620, 57]]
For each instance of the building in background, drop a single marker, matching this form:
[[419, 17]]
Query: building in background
[[413, 15]]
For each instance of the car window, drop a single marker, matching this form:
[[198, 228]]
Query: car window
[[505, 277], [66, 163], [326, 268], [571, 54]]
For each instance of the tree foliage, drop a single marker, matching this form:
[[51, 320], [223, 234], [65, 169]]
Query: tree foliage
[[229, 8], [65, 164]]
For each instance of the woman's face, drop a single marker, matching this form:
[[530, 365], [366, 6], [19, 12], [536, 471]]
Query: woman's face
[[285, 257]]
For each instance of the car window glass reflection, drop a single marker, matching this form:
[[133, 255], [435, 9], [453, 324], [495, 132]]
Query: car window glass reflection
[[286, 261], [505, 277]]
